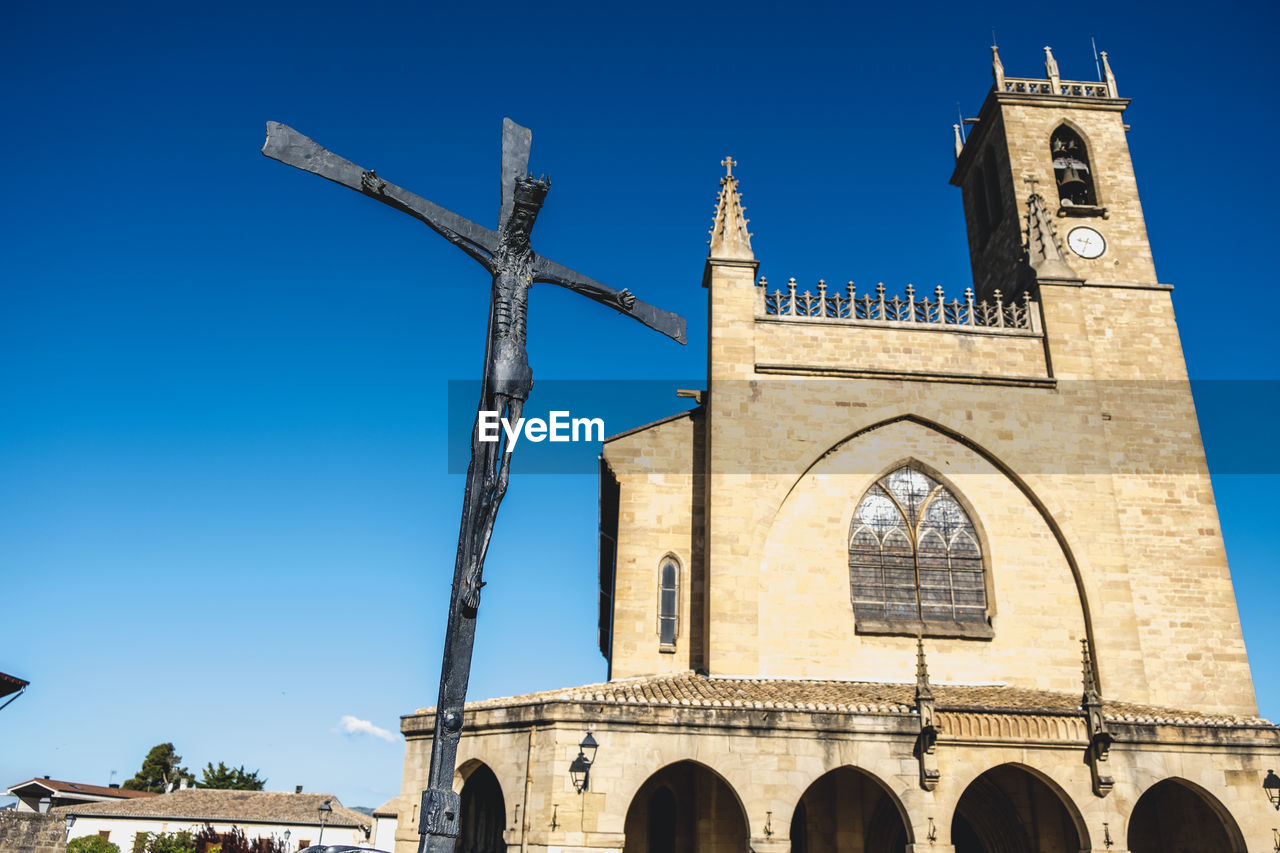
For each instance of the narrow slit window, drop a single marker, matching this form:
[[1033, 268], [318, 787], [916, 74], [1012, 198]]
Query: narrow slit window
[[668, 603]]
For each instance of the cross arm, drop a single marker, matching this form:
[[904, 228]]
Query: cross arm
[[293, 149], [669, 324]]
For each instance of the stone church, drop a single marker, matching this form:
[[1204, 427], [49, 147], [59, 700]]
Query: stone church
[[921, 571]]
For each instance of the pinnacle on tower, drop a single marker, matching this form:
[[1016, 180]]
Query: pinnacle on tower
[[730, 239], [959, 140], [1044, 252], [997, 68], [1051, 68], [1108, 76]]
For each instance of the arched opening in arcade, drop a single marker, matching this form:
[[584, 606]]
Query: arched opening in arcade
[[483, 814], [848, 810], [1174, 816], [1009, 809], [683, 808]]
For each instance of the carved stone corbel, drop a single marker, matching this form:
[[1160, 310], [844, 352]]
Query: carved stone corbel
[[1100, 740], [927, 740]]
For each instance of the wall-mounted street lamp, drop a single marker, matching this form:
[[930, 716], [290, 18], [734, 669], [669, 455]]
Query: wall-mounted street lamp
[[1271, 785], [325, 811], [580, 769], [70, 821], [286, 841], [44, 805]]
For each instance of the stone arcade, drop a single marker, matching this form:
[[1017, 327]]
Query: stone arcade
[[921, 572]]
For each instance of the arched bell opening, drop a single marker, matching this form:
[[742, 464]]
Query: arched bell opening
[[1009, 809], [1173, 816], [1071, 169], [685, 808], [848, 810], [483, 815]]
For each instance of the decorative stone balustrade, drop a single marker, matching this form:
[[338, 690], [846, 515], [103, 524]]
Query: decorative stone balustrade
[[846, 304], [1027, 86]]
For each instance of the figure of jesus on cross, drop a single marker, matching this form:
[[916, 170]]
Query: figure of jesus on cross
[[507, 254]]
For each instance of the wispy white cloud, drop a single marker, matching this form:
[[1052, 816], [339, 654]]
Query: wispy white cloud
[[356, 726]]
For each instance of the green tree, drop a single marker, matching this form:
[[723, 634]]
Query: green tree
[[230, 778], [160, 768], [91, 844], [164, 842]]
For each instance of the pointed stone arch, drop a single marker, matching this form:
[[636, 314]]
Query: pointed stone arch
[[1069, 149], [1000, 465], [1014, 808], [1177, 816], [686, 807], [482, 820], [849, 808]]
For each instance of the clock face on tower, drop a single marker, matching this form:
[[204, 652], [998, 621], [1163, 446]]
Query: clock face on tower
[[1086, 242]]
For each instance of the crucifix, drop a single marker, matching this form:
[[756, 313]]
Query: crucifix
[[508, 256]]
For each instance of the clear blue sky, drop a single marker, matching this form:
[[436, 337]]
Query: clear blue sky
[[225, 515]]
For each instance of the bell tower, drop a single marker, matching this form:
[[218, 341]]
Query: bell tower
[[1064, 142]]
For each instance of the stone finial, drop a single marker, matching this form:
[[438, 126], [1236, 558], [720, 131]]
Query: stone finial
[[1044, 252], [1051, 68], [959, 140], [1108, 76], [1100, 740], [730, 239], [1090, 684], [997, 68], [922, 672], [927, 740]]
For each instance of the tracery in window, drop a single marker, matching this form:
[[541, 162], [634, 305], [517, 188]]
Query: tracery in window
[[1071, 169], [914, 560], [668, 603]]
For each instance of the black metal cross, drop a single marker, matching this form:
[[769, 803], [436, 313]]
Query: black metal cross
[[509, 258]]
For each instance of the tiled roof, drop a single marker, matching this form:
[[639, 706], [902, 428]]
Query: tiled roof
[[391, 808], [197, 804], [863, 697], [82, 788]]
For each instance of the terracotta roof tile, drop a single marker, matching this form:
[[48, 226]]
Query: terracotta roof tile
[[846, 697], [198, 804], [391, 808]]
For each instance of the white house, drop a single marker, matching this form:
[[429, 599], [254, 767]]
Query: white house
[[385, 820], [297, 819]]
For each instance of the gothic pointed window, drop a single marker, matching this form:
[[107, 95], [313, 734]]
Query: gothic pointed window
[[915, 563], [1071, 169], [668, 604]]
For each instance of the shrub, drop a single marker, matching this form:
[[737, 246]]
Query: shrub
[[91, 844]]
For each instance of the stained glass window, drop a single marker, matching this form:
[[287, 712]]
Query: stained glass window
[[914, 554]]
